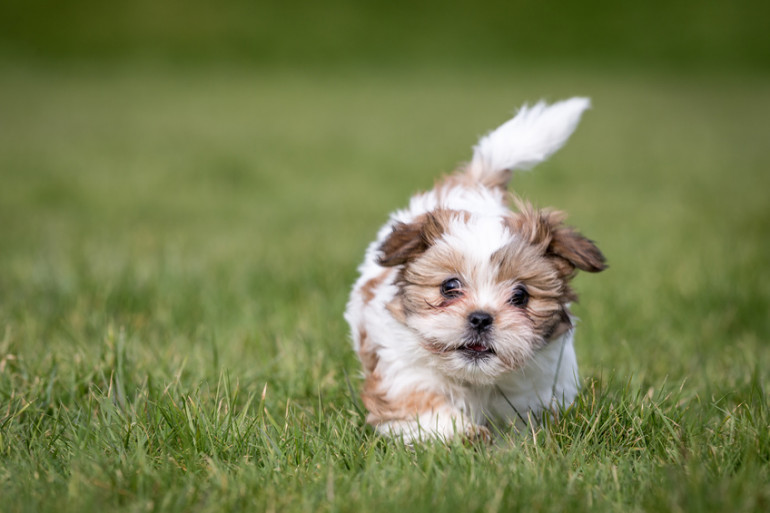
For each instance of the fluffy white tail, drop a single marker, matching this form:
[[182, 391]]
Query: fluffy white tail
[[533, 135]]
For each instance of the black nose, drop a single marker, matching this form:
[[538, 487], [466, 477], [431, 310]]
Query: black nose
[[480, 321]]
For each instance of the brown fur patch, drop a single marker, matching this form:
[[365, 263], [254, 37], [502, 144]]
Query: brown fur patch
[[547, 265], [545, 228], [366, 351], [396, 308], [404, 243], [368, 289], [579, 251], [548, 287], [429, 273], [561, 325], [407, 241], [383, 409], [419, 284]]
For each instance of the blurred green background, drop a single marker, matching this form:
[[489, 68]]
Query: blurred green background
[[680, 34]]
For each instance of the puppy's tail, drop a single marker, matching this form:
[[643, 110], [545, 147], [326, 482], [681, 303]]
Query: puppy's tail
[[530, 137]]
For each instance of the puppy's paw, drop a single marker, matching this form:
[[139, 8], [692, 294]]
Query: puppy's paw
[[475, 434]]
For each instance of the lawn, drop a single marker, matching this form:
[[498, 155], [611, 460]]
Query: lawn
[[177, 246]]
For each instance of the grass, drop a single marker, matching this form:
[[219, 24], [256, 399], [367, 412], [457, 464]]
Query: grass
[[176, 249]]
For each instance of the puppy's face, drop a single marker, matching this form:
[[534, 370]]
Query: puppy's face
[[484, 293]]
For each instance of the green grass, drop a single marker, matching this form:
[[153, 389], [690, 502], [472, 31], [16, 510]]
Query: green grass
[[176, 249]]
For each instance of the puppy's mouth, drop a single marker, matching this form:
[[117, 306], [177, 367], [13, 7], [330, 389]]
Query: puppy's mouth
[[476, 350]]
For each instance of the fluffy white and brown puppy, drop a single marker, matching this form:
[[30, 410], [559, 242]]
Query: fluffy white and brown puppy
[[461, 315]]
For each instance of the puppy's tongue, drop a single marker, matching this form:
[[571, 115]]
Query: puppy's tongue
[[477, 347]]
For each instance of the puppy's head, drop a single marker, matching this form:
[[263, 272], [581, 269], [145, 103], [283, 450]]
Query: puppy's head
[[485, 292]]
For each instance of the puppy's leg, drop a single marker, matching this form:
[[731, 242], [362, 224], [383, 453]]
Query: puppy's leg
[[418, 415], [433, 426]]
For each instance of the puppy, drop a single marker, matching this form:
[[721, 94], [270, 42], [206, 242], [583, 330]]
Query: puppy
[[461, 314]]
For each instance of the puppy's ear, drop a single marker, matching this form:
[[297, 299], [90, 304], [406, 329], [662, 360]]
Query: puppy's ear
[[577, 250], [546, 228], [402, 245], [407, 241]]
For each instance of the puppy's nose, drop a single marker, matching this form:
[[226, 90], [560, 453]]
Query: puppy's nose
[[480, 321]]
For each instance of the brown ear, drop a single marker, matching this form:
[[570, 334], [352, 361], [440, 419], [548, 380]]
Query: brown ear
[[409, 240], [546, 228], [577, 250]]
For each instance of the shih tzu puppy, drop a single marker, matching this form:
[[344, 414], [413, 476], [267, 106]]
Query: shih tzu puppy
[[461, 314]]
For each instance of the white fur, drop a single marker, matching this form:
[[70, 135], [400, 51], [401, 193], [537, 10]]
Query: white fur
[[549, 379], [533, 135]]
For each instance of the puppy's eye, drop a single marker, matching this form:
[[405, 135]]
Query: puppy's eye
[[520, 296], [451, 288]]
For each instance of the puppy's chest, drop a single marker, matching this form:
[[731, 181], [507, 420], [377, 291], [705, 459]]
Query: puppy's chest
[[484, 404]]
